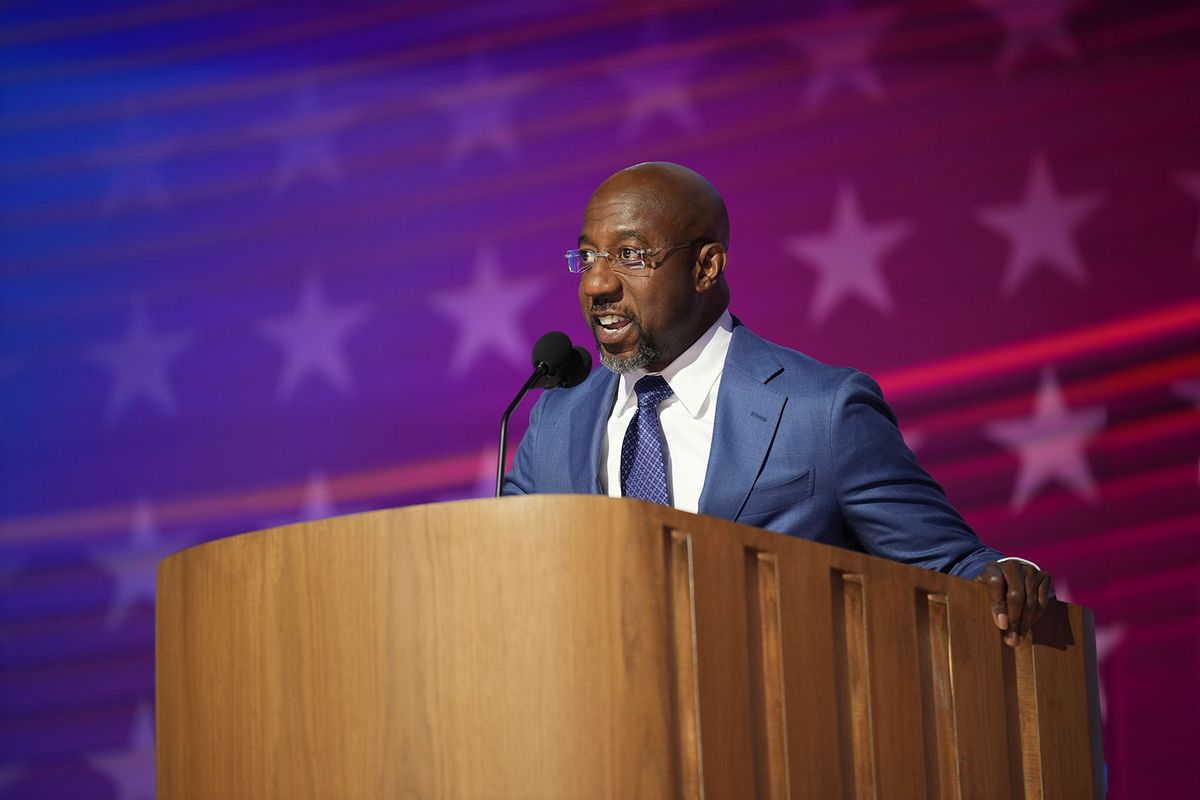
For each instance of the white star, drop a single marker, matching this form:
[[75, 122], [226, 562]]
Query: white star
[[488, 313], [9, 568], [8, 775], [847, 257], [135, 167], [1050, 444], [1108, 636], [839, 46], [312, 339], [139, 362], [132, 770], [133, 567], [485, 479], [9, 364], [318, 498], [1032, 24], [1190, 183], [913, 439], [1040, 227], [306, 141], [481, 108], [657, 87], [1190, 390]]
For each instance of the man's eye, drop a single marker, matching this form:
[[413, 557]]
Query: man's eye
[[587, 256], [629, 253]]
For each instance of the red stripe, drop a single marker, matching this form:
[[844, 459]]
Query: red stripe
[[1037, 352]]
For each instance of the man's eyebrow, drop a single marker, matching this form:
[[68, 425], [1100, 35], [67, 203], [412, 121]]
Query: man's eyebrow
[[622, 235], [630, 233]]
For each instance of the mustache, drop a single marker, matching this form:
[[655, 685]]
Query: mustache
[[613, 308]]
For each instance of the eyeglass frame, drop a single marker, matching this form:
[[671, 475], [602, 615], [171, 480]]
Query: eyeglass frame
[[633, 264]]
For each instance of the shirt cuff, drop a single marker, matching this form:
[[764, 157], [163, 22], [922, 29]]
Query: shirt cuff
[[1023, 561]]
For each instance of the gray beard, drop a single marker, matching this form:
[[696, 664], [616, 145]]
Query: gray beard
[[645, 355]]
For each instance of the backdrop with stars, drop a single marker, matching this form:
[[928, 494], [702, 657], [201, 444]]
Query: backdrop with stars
[[265, 263]]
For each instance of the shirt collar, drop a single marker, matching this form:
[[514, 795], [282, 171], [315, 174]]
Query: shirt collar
[[692, 375]]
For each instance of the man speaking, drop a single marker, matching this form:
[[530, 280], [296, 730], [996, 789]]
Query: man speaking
[[697, 412]]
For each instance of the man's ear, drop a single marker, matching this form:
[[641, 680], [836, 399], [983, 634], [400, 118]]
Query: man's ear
[[710, 265]]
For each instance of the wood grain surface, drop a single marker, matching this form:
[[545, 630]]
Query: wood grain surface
[[579, 647]]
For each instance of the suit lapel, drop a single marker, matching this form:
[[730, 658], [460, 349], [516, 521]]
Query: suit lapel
[[584, 426], [748, 413]]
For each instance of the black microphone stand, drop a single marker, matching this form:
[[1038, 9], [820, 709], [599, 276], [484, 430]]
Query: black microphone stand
[[538, 372]]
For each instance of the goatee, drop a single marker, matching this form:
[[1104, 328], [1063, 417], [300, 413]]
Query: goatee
[[643, 356]]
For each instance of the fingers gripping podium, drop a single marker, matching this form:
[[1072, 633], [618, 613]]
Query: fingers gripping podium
[[571, 646]]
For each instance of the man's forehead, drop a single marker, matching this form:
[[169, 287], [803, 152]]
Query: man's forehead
[[633, 209], [621, 234]]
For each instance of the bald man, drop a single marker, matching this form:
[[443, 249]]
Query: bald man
[[696, 411]]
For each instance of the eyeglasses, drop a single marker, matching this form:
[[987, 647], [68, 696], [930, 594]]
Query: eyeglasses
[[625, 259]]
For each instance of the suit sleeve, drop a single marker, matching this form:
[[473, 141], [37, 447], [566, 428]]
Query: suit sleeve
[[892, 505], [520, 480]]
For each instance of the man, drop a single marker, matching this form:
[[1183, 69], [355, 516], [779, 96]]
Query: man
[[696, 411]]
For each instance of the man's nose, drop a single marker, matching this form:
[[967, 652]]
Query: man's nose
[[601, 281]]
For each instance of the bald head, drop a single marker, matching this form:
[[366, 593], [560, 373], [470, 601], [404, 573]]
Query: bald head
[[645, 318], [680, 194]]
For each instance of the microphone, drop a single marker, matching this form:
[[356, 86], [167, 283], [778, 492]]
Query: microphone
[[551, 355], [555, 364], [578, 368], [575, 366]]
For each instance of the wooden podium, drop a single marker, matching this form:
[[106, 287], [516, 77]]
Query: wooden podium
[[579, 647]]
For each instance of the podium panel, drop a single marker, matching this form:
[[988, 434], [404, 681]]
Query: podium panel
[[581, 646]]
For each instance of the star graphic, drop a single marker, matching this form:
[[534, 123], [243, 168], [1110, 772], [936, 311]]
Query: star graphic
[[9, 365], [481, 110], [1040, 226], [1050, 444], [135, 167], [487, 313], [846, 258], [485, 479], [1190, 183], [134, 567], [9, 568], [8, 775], [312, 339], [132, 770], [139, 362], [657, 88], [839, 46], [1108, 636], [1190, 390], [914, 439], [306, 139], [318, 498], [1029, 25]]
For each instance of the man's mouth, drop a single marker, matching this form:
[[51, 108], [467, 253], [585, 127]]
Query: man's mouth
[[611, 328]]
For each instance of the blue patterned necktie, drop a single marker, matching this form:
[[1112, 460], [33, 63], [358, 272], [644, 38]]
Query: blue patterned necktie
[[643, 462]]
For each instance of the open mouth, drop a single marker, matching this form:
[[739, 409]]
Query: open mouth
[[610, 328]]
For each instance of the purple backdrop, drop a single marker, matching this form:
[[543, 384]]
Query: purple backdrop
[[264, 265]]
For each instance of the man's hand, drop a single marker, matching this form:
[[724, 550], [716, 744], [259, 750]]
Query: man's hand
[[1020, 593]]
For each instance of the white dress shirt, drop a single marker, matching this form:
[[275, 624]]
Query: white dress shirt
[[687, 417]]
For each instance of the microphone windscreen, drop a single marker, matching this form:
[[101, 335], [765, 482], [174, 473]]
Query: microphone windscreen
[[553, 350], [577, 368]]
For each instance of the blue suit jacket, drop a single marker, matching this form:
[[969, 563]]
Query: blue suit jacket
[[799, 447]]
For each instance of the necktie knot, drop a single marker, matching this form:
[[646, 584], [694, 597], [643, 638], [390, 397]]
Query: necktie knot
[[651, 390]]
